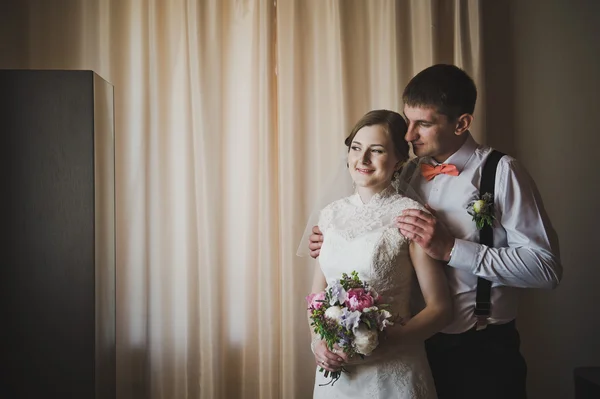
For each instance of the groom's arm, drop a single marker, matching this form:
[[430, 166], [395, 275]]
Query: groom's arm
[[531, 259]]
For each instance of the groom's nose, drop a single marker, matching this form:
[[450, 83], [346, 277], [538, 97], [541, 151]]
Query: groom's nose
[[411, 134]]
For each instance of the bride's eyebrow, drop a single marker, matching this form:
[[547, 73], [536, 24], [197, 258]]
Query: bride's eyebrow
[[372, 145]]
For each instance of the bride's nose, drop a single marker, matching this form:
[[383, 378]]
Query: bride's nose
[[366, 160]]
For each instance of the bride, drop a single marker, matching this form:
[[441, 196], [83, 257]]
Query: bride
[[358, 234]]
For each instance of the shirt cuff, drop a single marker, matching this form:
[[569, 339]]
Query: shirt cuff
[[464, 255]]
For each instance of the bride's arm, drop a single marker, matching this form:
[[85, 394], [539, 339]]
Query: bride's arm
[[435, 316], [438, 306], [333, 361], [319, 284]]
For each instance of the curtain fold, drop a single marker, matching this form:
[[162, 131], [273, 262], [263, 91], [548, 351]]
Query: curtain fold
[[229, 116]]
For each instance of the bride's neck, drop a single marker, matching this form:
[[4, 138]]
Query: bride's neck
[[367, 193]]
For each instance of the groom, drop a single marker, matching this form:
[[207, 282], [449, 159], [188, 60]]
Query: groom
[[471, 357]]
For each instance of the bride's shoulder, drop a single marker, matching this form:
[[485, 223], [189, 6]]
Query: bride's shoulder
[[329, 212], [337, 204], [401, 203]]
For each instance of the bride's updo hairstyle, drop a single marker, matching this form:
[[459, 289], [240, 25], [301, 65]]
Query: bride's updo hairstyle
[[393, 124]]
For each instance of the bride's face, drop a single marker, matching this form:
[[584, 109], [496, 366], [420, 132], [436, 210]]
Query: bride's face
[[372, 160]]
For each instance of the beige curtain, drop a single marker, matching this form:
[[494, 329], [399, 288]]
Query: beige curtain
[[229, 116]]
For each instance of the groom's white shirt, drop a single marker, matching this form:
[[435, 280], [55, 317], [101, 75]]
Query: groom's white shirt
[[525, 253]]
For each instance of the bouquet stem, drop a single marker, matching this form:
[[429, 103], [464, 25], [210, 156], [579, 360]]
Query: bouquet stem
[[335, 375]]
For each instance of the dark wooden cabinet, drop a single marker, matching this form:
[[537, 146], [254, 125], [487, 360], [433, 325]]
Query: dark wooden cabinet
[[57, 270], [587, 382]]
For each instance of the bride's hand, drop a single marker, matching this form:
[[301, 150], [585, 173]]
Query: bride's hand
[[329, 360]]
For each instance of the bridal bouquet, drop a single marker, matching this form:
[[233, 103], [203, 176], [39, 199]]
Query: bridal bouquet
[[350, 314]]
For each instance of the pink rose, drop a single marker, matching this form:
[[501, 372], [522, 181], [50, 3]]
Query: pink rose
[[359, 299], [315, 300]]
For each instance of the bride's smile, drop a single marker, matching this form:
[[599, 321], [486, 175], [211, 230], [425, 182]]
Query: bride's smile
[[364, 171], [372, 160]]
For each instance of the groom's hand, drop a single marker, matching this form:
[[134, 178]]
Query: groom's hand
[[315, 242], [427, 231]]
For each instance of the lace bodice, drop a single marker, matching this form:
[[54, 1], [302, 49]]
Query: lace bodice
[[361, 236], [351, 218]]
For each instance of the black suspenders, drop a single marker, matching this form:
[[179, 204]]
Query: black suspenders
[[483, 302]]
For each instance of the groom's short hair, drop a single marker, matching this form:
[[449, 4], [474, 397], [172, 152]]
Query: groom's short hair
[[446, 87]]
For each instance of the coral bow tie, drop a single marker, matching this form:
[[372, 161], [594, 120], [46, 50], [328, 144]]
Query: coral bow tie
[[430, 171]]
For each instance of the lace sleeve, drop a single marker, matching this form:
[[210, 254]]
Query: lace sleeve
[[325, 218], [406, 203]]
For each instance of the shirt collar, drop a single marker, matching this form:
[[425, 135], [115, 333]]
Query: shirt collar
[[461, 156]]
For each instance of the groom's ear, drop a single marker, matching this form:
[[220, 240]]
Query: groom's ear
[[463, 123]]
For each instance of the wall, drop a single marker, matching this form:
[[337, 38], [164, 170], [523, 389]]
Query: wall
[[13, 34], [542, 65]]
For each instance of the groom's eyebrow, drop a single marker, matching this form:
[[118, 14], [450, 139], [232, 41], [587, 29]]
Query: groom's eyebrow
[[431, 120], [418, 121]]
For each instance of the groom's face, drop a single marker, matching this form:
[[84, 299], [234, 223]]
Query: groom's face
[[431, 134]]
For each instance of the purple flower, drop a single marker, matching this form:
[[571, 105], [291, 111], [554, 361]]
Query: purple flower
[[337, 293], [344, 341], [350, 319]]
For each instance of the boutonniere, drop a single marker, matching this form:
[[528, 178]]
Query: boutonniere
[[482, 210]]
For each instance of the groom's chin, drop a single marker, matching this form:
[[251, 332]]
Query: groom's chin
[[418, 150]]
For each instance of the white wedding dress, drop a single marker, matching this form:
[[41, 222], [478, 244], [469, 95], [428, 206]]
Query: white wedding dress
[[361, 237]]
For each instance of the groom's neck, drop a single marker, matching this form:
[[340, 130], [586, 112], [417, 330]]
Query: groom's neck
[[453, 147]]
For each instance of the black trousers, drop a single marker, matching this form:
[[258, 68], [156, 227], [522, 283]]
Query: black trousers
[[484, 364]]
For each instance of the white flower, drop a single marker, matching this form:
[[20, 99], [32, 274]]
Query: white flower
[[482, 211], [478, 206], [383, 320], [365, 340], [334, 313]]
